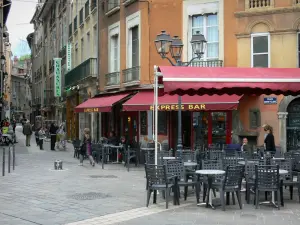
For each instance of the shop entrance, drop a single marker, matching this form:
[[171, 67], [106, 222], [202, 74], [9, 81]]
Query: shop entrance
[[186, 129], [131, 127]]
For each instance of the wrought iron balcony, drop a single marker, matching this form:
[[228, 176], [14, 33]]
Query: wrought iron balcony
[[112, 80], [85, 70], [208, 63], [131, 76]]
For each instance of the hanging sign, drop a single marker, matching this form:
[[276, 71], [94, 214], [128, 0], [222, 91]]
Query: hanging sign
[[57, 77], [69, 57]]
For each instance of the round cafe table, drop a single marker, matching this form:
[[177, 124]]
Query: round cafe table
[[169, 157], [190, 164], [210, 175]]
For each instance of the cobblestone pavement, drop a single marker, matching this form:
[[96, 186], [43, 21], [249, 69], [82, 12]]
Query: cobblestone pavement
[[36, 194]]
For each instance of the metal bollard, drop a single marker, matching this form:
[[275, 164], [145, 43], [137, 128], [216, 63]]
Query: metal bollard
[[14, 157], [9, 159], [3, 163]]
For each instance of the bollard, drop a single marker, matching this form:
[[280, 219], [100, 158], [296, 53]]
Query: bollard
[[14, 157], [3, 163], [9, 159], [58, 165]]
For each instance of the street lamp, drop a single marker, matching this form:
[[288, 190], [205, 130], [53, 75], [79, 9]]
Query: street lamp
[[164, 44]]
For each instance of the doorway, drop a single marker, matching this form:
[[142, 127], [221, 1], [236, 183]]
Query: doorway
[[131, 127], [186, 129], [293, 125]]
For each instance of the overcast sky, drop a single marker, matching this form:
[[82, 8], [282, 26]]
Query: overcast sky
[[18, 24]]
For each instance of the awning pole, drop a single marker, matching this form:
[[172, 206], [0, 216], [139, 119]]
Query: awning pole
[[155, 110]]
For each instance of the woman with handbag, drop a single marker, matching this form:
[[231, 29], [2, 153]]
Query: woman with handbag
[[86, 149]]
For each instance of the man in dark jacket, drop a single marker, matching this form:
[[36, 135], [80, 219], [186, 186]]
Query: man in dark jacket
[[27, 131]]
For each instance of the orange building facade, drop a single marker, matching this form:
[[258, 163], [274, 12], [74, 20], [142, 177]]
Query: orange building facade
[[264, 34]]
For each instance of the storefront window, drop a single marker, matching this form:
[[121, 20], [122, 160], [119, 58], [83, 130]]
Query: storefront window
[[162, 127], [219, 128]]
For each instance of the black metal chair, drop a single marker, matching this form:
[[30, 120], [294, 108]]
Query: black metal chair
[[267, 179], [229, 161], [131, 154], [157, 180], [288, 179], [77, 146], [250, 176], [176, 167], [210, 165], [231, 184]]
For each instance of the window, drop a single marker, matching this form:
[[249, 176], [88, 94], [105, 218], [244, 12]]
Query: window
[[254, 118], [260, 50], [143, 123], [134, 47], [75, 23], [114, 53], [82, 50], [81, 16], [299, 50], [93, 4], [86, 9], [95, 40], [162, 126], [207, 25], [88, 44]]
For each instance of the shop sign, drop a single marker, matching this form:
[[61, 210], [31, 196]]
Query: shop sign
[[91, 110], [57, 77], [270, 100], [191, 107], [69, 57]]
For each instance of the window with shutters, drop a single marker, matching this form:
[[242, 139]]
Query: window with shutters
[[254, 118]]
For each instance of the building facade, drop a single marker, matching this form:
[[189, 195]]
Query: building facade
[[127, 56], [5, 6], [81, 81], [20, 82], [264, 34]]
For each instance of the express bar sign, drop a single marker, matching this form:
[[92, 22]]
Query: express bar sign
[[91, 110], [190, 107]]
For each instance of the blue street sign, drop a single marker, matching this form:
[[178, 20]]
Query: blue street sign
[[270, 100]]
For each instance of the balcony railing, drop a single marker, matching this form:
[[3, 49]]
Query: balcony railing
[[259, 4], [131, 75], [85, 70], [112, 79], [112, 4], [208, 63]]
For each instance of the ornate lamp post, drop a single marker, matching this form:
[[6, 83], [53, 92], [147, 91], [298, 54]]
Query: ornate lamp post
[[165, 45]]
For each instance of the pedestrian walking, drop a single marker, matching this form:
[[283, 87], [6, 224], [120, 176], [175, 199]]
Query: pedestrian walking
[[53, 130], [42, 136], [36, 134], [27, 131], [86, 148]]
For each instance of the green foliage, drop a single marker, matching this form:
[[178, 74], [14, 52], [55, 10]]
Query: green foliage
[[24, 57]]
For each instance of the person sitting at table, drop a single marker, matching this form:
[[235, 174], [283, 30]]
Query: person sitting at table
[[113, 140], [245, 147]]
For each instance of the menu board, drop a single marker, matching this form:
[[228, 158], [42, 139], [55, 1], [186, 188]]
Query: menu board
[[144, 123]]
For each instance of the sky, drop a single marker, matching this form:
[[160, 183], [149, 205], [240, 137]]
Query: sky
[[18, 25]]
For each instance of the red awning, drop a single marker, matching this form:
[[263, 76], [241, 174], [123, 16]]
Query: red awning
[[143, 101], [100, 104], [229, 80]]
